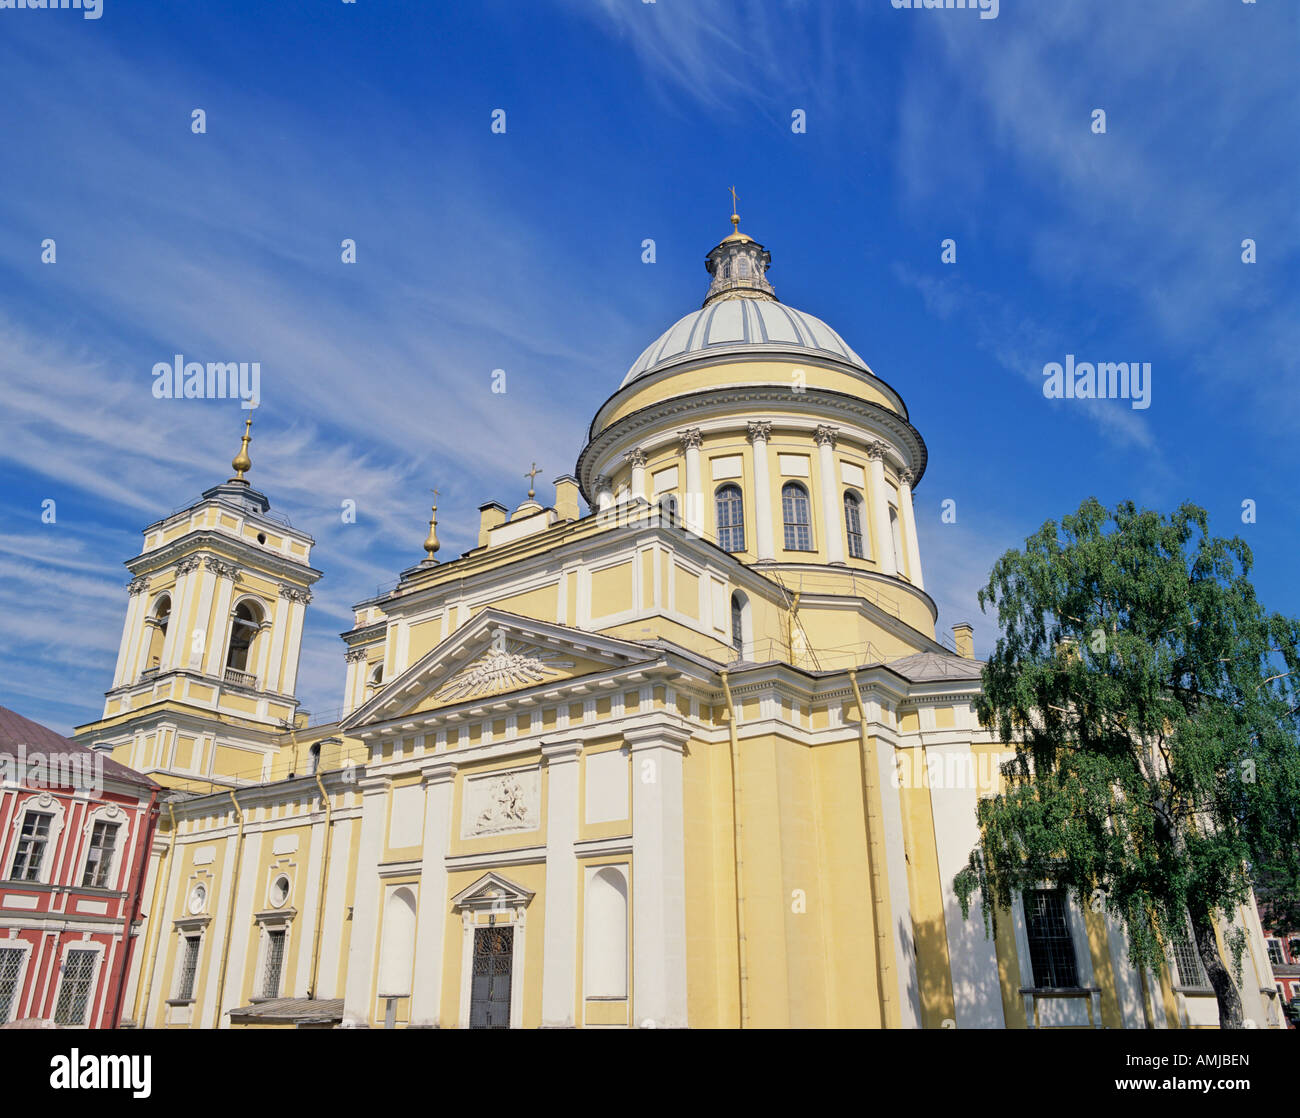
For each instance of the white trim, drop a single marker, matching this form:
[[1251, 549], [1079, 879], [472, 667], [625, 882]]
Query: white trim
[[97, 949], [17, 943]]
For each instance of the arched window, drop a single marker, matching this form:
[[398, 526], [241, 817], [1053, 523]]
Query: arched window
[[160, 615], [668, 508], [897, 532], [726, 269], [243, 634], [604, 944], [730, 506], [376, 677], [798, 517], [397, 955], [853, 525], [313, 759], [739, 623], [743, 267]]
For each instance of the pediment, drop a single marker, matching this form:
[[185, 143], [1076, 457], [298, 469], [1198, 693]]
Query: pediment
[[492, 891], [496, 653]]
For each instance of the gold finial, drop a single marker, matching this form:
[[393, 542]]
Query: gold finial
[[431, 542], [531, 475], [735, 216], [241, 463]]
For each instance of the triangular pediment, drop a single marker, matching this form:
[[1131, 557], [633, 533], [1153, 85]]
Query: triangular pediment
[[492, 891], [495, 654]]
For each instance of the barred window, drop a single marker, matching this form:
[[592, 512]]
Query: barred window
[[853, 525], [730, 506], [1051, 950], [32, 840], [798, 517], [1188, 960], [11, 962], [274, 963], [74, 994], [99, 859], [189, 968]]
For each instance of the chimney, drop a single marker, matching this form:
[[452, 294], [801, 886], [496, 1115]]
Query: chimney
[[490, 515], [566, 497], [963, 635]]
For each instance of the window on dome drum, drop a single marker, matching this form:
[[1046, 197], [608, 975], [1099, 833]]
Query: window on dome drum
[[74, 993], [189, 968], [668, 508], [896, 531], [739, 622], [11, 963], [1051, 949], [798, 517], [853, 525], [726, 269], [274, 963], [743, 267], [730, 507], [1187, 961], [32, 839], [243, 633], [313, 759], [99, 858]]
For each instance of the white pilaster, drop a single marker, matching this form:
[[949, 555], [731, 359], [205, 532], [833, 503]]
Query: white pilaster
[[358, 997], [137, 605], [693, 514], [426, 997], [832, 529], [293, 646], [637, 459], [658, 877], [560, 936], [879, 498], [763, 543], [279, 624], [909, 529]]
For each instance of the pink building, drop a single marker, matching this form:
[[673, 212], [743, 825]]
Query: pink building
[[75, 829]]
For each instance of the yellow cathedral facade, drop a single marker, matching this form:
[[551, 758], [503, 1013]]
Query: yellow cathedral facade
[[692, 757]]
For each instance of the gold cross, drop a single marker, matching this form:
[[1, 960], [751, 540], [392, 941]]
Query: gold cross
[[436, 493], [733, 199], [531, 475]]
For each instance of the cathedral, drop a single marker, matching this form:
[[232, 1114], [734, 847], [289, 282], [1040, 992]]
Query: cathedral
[[681, 749]]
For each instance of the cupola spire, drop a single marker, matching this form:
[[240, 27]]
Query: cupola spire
[[431, 540], [241, 463], [738, 265]]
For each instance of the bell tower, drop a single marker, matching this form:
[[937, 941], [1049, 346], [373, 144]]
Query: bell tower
[[207, 667]]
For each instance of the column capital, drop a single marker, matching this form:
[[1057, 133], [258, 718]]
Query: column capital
[[562, 752], [354, 654], [188, 564], [137, 586], [690, 438], [295, 594], [906, 477], [636, 458], [758, 431], [826, 435], [603, 483], [876, 451], [664, 734], [220, 569], [440, 772]]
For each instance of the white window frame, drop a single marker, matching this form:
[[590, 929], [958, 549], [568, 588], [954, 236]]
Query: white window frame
[[1076, 923], [192, 928], [25, 946], [42, 803], [276, 920], [112, 814], [80, 945]]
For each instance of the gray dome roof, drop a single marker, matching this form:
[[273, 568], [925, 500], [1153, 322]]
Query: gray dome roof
[[742, 325]]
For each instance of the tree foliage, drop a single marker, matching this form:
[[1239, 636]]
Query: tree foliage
[[1152, 704]]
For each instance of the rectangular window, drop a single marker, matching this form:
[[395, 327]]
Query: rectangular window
[[74, 993], [1275, 953], [11, 964], [1187, 960], [99, 859], [274, 963], [31, 847], [1051, 949], [189, 968]]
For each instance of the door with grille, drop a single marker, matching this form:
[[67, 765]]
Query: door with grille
[[489, 1006]]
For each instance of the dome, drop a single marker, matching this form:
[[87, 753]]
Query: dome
[[743, 326]]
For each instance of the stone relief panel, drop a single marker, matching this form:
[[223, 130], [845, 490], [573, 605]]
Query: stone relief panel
[[500, 803]]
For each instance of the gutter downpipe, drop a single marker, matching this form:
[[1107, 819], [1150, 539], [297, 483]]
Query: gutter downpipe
[[742, 953], [876, 856], [324, 881], [230, 915], [150, 816], [142, 1005]]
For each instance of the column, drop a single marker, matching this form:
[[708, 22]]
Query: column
[[293, 642], [127, 652], [358, 996], [879, 498], [658, 877], [560, 936], [426, 995], [693, 513], [604, 492], [832, 528], [637, 459], [909, 528], [758, 433], [176, 645]]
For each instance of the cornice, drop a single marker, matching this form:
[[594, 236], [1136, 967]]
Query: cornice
[[223, 546]]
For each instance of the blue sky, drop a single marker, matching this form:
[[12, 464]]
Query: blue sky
[[522, 251]]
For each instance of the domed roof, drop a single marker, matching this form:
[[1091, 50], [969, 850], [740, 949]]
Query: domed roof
[[742, 326]]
